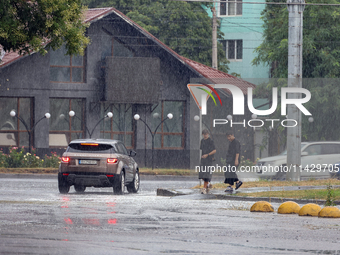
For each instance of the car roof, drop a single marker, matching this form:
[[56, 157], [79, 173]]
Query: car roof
[[317, 142], [101, 141]]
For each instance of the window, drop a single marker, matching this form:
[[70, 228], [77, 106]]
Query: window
[[313, 149], [64, 128], [121, 149], [230, 7], [65, 68], [170, 134], [12, 130], [120, 126], [233, 49], [330, 149], [111, 47]]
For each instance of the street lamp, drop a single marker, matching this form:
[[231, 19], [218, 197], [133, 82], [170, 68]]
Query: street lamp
[[13, 114], [108, 115], [155, 115]]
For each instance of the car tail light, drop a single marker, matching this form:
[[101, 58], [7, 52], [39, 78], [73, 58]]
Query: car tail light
[[65, 159], [90, 144], [112, 160], [65, 174], [109, 175]]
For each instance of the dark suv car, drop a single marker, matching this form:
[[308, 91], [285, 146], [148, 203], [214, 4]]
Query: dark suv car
[[98, 163]]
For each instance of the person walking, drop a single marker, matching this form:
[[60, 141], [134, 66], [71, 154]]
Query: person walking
[[208, 150], [232, 161]]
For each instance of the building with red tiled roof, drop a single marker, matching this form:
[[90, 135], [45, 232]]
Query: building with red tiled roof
[[126, 71]]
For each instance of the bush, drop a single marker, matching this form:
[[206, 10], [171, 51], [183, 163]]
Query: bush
[[52, 161], [19, 159]]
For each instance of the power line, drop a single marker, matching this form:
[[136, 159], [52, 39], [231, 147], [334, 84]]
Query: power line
[[270, 3]]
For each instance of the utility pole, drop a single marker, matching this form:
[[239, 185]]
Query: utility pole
[[295, 28], [214, 38]]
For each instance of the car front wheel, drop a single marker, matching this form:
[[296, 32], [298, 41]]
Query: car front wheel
[[133, 187]]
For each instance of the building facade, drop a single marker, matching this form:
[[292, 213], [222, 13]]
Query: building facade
[[242, 27], [126, 71]]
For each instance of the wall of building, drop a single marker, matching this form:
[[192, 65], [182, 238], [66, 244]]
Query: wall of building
[[30, 77], [248, 28]]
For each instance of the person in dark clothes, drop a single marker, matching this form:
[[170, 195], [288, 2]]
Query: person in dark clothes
[[232, 161], [208, 150]]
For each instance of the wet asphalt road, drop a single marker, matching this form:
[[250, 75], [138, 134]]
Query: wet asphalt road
[[36, 219]]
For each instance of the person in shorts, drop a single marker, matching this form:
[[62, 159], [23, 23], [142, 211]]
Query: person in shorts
[[232, 162], [208, 150]]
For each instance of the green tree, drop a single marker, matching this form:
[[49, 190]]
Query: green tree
[[184, 26], [321, 37], [321, 56], [27, 26]]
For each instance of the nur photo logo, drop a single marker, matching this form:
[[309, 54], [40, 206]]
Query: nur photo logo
[[202, 92]]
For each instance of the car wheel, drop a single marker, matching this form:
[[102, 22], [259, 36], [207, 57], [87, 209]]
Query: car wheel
[[79, 188], [133, 187], [119, 184], [63, 186]]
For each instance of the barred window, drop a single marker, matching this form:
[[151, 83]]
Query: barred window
[[233, 49], [65, 68], [170, 134], [230, 7]]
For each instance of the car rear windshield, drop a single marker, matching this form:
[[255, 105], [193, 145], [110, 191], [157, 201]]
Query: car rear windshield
[[79, 147]]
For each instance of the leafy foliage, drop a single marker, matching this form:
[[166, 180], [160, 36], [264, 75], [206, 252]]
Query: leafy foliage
[[321, 36], [17, 158], [330, 196], [321, 59], [184, 26], [27, 26]]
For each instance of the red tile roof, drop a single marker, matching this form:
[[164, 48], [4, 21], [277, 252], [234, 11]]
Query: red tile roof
[[95, 14], [219, 77], [204, 71]]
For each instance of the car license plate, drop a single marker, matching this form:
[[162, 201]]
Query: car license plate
[[87, 162]]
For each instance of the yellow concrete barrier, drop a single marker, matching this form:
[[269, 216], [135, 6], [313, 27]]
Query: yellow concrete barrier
[[262, 206], [329, 212], [310, 210], [288, 207]]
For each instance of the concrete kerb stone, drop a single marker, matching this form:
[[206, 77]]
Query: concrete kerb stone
[[329, 212], [288, 207], [310, 210], [262, 206]]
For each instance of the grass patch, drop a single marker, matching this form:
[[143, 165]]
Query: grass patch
[[165, 171], [297, 194]]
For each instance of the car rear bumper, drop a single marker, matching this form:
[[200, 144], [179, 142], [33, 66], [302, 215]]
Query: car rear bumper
[[88, 180]]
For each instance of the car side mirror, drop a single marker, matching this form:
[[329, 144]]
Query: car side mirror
[[132, 153], [304, 153]]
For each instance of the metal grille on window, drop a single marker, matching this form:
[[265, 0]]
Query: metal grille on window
[[120, 126], [13, 131], [230, 7], [171, 132], [65, 68], [64, 128], [233, 49]]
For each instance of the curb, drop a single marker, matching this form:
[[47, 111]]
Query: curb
[[173, 193]]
